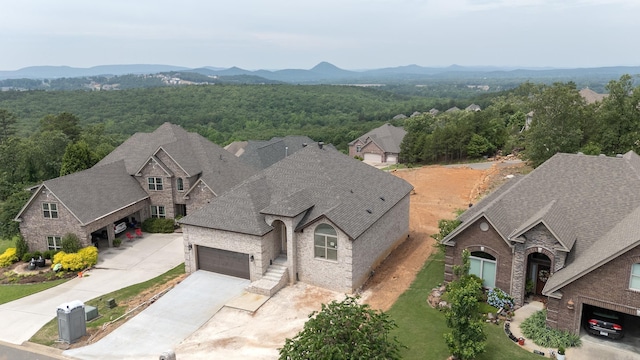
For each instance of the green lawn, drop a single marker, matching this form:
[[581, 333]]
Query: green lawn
[[48, 334], [14, 292], [5, 244], [420, 327]]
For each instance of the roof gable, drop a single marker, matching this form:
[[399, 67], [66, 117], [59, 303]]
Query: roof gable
[[387, 137]]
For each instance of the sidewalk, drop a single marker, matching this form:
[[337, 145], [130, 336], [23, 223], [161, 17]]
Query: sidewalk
[[131, 263]]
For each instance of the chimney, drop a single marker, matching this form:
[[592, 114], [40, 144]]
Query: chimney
[[320, 144]]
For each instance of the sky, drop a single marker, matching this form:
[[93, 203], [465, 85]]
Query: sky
[[351, 34]]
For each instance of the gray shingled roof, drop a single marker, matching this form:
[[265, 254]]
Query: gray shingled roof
[[320, 182], [387, 137], [582, 199], [194, 153], [261, 154], [94, 193]]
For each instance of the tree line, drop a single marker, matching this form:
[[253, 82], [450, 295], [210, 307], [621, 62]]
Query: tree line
[[535, 120]]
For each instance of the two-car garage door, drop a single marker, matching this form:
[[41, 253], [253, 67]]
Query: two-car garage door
[[223, 262]]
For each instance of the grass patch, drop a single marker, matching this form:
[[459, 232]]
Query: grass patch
[[420, 327], [5, 244], [13, 292], [48, 334]]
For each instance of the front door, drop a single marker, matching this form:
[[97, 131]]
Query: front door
[[542, 277]]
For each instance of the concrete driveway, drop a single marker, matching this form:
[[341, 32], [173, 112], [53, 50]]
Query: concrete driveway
[[168, 321], [133, 262]]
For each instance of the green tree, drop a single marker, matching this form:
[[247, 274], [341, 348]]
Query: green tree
[[467, 338], [558, 123], [344, 330], [9, 209], [65, 122], [77, 157], [619, 116], [7, 125], [478, 146], [21, 247]]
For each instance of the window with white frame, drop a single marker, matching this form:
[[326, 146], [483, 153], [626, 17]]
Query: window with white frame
[[180, 184], [483, 266], [54, 242], [635, 277], [158, 212], [155, 183], [358, 148], [50, 210], [326, 242]]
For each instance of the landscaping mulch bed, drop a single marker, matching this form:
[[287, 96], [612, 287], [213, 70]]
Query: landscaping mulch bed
[[19, 273]]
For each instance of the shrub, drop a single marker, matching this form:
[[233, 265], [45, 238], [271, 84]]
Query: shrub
[[8, 257], [27, 257], [21, 247], [500, 299], [158, 225], [71, 243], [83, 259], [117, 242], [36, 254], [49, 254], [535, 328]]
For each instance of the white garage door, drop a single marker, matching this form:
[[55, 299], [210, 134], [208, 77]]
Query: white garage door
[[392, 159], [374, 158]]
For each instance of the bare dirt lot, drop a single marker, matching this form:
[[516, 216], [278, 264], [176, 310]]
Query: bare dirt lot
[[438, 193]]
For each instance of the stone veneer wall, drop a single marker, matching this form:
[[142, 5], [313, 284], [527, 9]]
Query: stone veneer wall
[[538, 239], [162, 197], [606, 286], [375, 244], [474, 239], [353, 149], [372, 148]]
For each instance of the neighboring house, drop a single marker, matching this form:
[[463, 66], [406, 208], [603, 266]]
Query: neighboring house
[[317, 216], [164, 174], [569, 228], [380, 145], [473, 107], [260, 154], [591, 96], [453, 109]]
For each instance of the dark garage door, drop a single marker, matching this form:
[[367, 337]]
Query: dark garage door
[[223, 262]]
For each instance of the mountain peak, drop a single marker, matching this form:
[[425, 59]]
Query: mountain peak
[[326, 67]]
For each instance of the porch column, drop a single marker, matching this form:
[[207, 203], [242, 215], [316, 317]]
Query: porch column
[[111, 234], [292, 249]]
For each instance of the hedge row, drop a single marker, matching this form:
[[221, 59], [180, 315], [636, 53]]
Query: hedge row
[[8, 257], [84, 258]]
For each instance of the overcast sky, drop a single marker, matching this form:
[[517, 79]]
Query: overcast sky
[[351, 34]]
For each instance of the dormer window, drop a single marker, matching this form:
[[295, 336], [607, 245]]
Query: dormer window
[[634, 283], [155, 183]]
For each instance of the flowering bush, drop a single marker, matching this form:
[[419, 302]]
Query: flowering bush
[[83, 259], [499, 299], [8, 257]]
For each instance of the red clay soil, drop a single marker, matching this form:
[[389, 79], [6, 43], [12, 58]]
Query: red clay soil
[[438, 193]]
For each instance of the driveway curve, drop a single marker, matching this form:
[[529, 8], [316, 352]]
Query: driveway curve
[[131, 263]]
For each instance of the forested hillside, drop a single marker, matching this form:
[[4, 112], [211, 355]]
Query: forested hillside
[[225, 113]]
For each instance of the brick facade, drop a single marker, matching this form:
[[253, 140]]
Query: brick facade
[[606, 287], [474, 238]]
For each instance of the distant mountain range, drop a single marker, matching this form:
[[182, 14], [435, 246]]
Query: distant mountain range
[[323, 72]]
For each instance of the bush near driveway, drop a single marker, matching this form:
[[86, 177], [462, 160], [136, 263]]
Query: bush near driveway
[[420, 327], [8, 257]]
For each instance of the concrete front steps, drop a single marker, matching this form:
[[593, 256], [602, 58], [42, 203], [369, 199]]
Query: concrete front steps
[[273, 280]]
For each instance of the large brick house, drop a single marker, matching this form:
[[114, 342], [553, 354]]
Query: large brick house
[[569, 229], [167, 173], [317, 216], [380, 145]]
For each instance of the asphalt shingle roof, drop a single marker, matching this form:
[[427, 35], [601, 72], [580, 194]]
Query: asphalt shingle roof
[[588, 202], [96, 192], [387, 137], [322, 182], [261, 154]]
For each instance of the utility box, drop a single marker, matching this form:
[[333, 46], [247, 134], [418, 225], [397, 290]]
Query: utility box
[[90, 312], [71, 321]]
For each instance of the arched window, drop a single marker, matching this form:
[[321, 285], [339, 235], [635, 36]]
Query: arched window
[[635, 277], [483, 265], [326, 242], [180, 184]]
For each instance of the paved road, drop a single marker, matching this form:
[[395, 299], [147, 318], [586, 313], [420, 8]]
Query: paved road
[[131, 263], [14, 352], [168, 321]]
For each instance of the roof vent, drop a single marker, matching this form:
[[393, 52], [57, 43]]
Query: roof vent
[[304, 144], [619, 156], [369, 211], [320, 144], [580, 153], [382, 198], [602, 155]]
